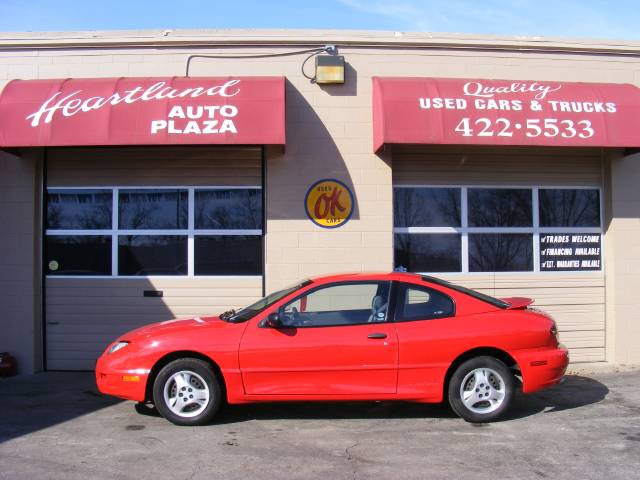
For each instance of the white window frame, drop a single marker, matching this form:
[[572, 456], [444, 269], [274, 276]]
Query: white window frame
[[190, 232], [535, 230]]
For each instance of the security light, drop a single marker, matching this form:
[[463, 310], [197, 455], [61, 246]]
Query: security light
[[329, 69]]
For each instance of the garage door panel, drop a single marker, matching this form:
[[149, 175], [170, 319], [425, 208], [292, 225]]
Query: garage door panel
[[497, 281], [582, 339], [161, 310], [212, 302], [578, 317], [74, 364], [105, 316], [579, 355]]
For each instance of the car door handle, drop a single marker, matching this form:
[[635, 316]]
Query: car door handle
[[377, 335]]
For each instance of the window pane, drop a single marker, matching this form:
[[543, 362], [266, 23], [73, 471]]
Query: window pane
[[78, 255], [71, 209], [500, 252], [228, 255], [228, 209], [569, 207], [347, 304], [426, 207], [437, 252], [500, 207], [153, 209], [152, 255], [422, 304]]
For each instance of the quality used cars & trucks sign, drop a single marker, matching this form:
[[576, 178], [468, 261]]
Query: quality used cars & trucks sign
[[504, 112]]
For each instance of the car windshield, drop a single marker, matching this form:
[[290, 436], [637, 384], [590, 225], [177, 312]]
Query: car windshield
[[252, 310]]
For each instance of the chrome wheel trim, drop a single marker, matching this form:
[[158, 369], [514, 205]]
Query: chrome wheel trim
[[186, 394], [482, 390]]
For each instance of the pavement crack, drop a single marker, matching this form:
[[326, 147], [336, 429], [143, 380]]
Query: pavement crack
[[346, 450], [352, 460], [195, 470]]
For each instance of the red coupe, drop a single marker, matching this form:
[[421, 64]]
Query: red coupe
[[389, 336]]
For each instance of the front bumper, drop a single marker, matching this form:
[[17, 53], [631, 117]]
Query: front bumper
[[127, 384], [541, 368]]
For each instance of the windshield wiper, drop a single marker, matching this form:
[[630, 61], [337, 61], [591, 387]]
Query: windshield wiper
[[227, 315]]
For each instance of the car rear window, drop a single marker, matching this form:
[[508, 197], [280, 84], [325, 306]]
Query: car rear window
[[496, 302]]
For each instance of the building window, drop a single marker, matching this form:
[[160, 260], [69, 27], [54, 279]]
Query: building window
[[497, 229], [78, 254], [500, 252], [228, 255], [174, 231], [436, 252], [228, 209], [70, 209], [153, 209], [499, 207], [569, 207]]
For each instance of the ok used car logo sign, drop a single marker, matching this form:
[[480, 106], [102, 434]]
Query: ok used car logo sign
[[329, 203]]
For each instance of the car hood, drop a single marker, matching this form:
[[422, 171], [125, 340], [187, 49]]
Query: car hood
[[175, 326]]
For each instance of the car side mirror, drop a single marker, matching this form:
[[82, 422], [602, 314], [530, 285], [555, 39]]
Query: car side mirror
[[274, 320]]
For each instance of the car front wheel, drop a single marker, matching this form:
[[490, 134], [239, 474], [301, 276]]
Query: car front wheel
[[481, 389], [187, 392]]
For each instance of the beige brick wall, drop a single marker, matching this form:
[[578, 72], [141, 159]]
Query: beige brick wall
[[19, 260], [623, 256]]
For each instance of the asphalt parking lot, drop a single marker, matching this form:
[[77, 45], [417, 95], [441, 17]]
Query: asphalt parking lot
[[56, 425]]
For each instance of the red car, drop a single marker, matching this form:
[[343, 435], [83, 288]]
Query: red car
[[389, 336]]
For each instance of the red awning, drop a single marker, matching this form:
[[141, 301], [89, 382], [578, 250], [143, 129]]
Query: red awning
[[143, 111], [504, 112]]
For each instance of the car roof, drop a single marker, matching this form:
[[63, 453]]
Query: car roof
[[366, 276]]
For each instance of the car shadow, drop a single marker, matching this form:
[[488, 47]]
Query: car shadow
[[574, 392], [30, 403]]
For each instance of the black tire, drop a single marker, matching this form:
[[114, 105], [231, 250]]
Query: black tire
[[166, 378], [147, 409], [500, 380]]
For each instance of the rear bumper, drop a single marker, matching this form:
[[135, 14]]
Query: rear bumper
[[541, 368], [127, 384]]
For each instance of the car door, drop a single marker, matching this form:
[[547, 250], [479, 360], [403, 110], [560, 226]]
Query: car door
[[426, 327], [335, 340]]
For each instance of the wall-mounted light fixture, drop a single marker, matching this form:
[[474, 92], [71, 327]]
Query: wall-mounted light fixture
[[329, 69]]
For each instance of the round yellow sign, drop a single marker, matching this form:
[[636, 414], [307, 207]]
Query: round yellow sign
[[329, 203]]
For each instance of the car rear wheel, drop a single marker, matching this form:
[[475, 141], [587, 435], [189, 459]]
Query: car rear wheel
[[481, 389], [187, 392]]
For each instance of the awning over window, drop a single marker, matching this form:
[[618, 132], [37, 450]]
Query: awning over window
[[504, 112], [143, 111]]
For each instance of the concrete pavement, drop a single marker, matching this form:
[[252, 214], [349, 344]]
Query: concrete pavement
[[56, 425]]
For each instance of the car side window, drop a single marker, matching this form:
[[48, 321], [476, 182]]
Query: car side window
[[339, 304], [421, 303]]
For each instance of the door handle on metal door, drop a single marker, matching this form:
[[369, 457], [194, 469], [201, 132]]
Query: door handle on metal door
[[377, 335]]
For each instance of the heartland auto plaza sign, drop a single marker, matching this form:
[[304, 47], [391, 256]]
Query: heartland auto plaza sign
[[135, 111], [501, 112]]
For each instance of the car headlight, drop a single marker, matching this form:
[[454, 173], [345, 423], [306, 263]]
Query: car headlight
[[117, 346]]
